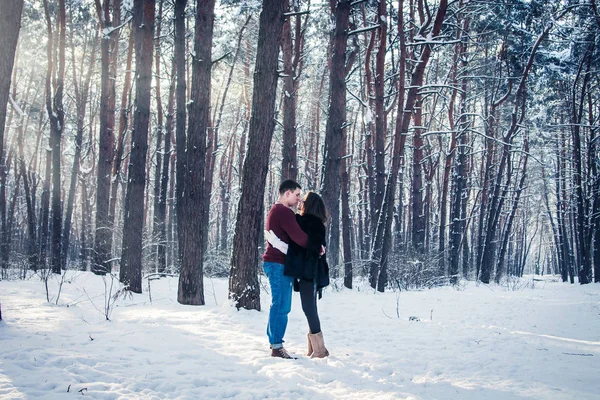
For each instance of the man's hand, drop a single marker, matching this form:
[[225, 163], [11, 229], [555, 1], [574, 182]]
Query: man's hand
[[322, 250], [277, 243]]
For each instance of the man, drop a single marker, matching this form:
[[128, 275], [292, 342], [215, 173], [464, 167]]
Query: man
[[282, 221]]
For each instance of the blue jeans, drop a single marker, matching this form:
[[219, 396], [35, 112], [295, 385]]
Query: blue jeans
[[281, 302]]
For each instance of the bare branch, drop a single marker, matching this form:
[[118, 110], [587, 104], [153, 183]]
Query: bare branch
[[366, 29]]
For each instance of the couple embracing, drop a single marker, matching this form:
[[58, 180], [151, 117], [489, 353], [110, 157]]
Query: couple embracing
[[295, 258]]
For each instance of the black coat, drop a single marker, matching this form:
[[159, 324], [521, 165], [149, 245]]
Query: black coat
[[307, 264]]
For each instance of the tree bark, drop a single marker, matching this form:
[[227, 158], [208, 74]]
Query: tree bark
[[191, 283], [81, 97], [458, 50], [225, 180], [130, 273], [346, 214], [418, 215], [289, 163], [179, 51], [561, 209], [116, 175], [581, 218], [457, 223], [10, 24], [32, 254], [380, 121], [161, 212], [292, 69], [101, 263], [45, 211], [370, 220], [459, 200], [595, 188], [83, 255], [336, 123], [156, 222], [54, 108], [244, 288]]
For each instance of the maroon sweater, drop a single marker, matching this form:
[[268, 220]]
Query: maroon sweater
[[282, 221]]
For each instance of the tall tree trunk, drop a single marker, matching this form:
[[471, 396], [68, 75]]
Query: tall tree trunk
[[191, 283], [130, 272], [465, 240], [225, 181], [555, 231], [156, 221], [336, 123], [581, 218], [312, 153], [363, 250], [459, 184], [595, 188], [54, 108], [458, 189], [380, 123], [172, 254], [293, 56], [161, 212], [561, 208], [83, 254], [104, 226], [244, 288], [444, 198], [45, 211], [511, 216], [32, 252], [418, 215], [10, 24], [346, 213], [370, 220], [116, 176], [56, 148], [289, 164], [81, 97], [486, 175], [491, 106], [179, 51], [10, 215], [458, 49]]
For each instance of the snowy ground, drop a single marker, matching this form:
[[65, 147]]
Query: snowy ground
[[474, 342]]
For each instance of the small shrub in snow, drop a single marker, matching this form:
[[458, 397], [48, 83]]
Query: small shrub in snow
[[515, 283], [409, 271]]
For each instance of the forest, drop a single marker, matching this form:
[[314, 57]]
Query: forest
[[451, 140]]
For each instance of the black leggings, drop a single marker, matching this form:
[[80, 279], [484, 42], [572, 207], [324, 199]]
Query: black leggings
[[308, 296]]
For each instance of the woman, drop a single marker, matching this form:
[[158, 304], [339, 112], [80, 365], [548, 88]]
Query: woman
[[308, 268]]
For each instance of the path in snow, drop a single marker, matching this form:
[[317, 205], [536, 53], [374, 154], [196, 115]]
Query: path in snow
[[481, 342]]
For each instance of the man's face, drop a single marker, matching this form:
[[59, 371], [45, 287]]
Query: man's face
[[292, 197]]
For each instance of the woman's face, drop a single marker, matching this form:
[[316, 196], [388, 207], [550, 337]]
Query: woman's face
[[301, 203]]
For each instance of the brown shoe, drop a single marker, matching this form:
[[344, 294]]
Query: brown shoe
[[310, 348], [318, 345], [282, 353]]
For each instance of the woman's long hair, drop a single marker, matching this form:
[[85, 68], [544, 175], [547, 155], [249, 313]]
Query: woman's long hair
[[313, 204]]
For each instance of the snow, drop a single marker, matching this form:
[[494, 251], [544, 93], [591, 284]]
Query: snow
[[528, 340]]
